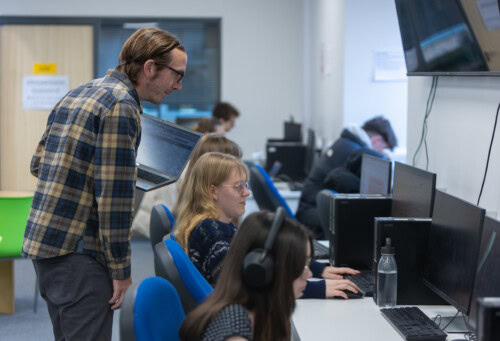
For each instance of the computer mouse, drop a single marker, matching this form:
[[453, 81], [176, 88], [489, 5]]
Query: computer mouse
[[351, 294]]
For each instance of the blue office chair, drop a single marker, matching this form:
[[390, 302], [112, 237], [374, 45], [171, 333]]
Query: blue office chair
[[323, 208], [265, 193], [173, 264], [162, 222], [151, 311]]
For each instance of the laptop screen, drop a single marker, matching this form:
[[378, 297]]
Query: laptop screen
[[165, 146]]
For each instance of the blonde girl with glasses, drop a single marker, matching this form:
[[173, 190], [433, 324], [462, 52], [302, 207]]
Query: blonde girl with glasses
[[213, 198]]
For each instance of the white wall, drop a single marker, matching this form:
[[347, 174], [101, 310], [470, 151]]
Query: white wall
[[324, 53], [459, 132], [262, 52], [372, 26]]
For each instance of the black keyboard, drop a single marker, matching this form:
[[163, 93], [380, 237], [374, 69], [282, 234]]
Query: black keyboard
[[152, 177], [320, 251], [364, 280], [413, 324]]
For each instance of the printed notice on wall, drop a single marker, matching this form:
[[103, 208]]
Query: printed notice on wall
[[389, 65], [489, 13], [43, 92]]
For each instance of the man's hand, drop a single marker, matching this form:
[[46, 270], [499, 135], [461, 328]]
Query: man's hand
[[331, 272], [119, 288]]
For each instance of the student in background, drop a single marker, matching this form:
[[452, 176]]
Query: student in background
[[208, 125], [215, 196], [171, 194], [226, 114], [236, 310], [374, 136]]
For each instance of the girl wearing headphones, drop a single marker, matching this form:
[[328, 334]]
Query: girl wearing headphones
[[244, 305], [214, 197]]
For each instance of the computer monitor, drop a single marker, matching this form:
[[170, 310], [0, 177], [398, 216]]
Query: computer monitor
[[310, 150], [412, 192], [487, 283], [452, 250], [375, 175]]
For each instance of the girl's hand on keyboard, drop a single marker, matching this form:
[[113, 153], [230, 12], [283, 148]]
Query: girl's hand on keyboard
[[336, 287], [331, 272]]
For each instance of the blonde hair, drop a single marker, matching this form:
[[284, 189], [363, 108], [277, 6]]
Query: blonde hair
[[198, 204], [208, 143]]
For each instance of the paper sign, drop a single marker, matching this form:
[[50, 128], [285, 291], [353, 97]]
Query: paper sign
[[389, 65], [43, 92]]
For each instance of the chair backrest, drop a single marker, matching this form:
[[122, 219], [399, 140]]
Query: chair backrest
[[162, 222], [323, 207], [14, 212], [265, 193], [173, 264], [151, 310]]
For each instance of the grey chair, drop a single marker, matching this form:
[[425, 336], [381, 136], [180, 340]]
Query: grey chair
[[173, 264], [161, 223]]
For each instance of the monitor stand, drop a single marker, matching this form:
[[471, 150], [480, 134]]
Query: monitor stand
[[456, 326]]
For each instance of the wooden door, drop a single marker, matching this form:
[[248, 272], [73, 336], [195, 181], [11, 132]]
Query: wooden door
[[68, 49]]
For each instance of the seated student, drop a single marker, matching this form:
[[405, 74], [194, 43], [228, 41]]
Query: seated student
[[374, 137], [208, 143], [236, 310], [215, 195], [226, 114], [208, 125], [171, 194]]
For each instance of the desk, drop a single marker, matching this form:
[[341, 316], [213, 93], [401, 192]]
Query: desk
[[7, 264], [350, 320]]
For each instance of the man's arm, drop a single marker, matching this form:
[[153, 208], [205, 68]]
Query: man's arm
[[115, 175], [40, 149]]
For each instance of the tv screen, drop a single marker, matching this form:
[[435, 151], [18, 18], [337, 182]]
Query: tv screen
[[450, 37]]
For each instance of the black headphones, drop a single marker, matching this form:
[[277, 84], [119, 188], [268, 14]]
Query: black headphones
[[258, 264]]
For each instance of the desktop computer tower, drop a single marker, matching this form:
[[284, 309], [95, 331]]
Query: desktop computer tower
[[488, 319], [409, 237], [351, 228], [291, 156]]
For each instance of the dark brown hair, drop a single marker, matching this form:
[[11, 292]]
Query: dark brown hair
[[144, 44], [273, 306], [381, 126], [225, 111]]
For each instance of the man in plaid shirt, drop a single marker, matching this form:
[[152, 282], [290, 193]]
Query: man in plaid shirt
[[78, 231]]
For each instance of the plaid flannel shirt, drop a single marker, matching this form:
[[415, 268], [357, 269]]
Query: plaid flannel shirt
[[85, 165]]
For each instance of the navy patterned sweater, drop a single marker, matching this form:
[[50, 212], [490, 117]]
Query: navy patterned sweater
[[209, 243]]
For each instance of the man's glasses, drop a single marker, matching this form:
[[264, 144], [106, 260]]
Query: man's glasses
[[239, 187], [180, 73]]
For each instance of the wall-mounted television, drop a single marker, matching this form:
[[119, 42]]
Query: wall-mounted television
[[450, 37]]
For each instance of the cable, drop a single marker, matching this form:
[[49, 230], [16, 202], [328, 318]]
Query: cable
[[428, 113], [454, 317], [489, 153], [423, 123], [423, 137]]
